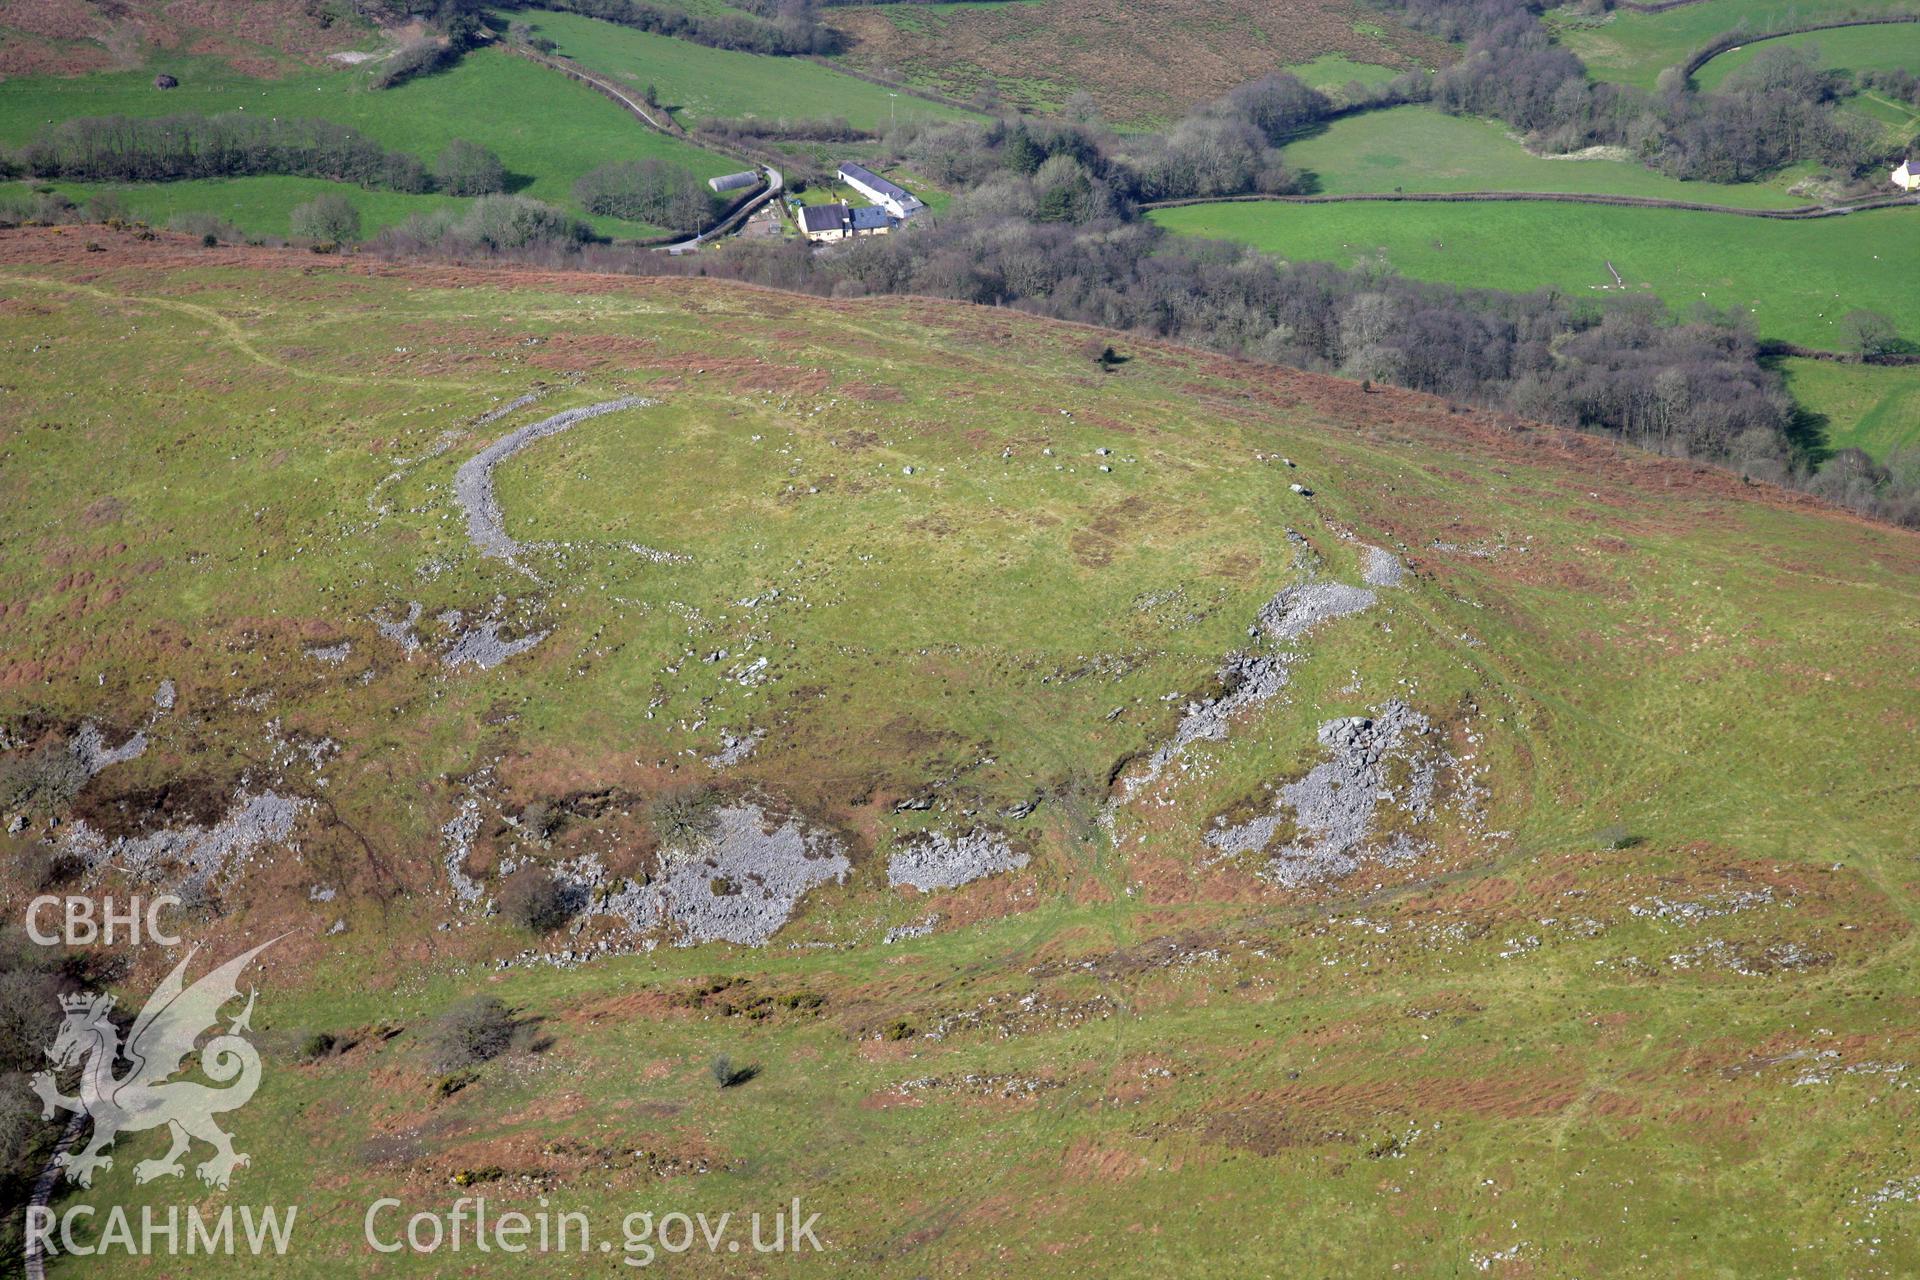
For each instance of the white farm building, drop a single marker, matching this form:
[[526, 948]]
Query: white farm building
[[896, 200]]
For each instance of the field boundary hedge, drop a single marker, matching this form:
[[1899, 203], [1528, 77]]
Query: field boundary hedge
[[1741, 39], [1802, 213]]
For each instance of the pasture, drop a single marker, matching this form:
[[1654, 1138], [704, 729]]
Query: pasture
[[1792, 280], [698, 83], [1870, 407], [1417, 148], [1855, 49], [1634, 48], [547, 129]]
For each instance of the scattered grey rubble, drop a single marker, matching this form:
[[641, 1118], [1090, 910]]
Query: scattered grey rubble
[[734, 748], [1383, 569], [1707, 907], [1478, 550], [514, 405], [1253, 678], [1332, 808], [473, 482], [196, 856], [918, 929], [400, 632], [163, 696], [331, 654], [937, 860], [1297, 610], [481, 646], [456, 838], [89, 747], [744, 881]]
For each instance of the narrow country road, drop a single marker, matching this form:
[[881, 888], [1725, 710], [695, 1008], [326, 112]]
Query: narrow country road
[[776, 182]]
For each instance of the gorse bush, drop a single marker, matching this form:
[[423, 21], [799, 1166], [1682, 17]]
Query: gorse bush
[[468, 169], [474, 1031], [43, 782], [330, 218], [535, 900]]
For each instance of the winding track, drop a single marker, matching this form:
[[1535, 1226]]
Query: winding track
[[732, 218], [43, 1186]]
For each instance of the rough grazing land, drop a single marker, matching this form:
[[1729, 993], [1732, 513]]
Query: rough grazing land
[[1109, 860], [1138, 61]]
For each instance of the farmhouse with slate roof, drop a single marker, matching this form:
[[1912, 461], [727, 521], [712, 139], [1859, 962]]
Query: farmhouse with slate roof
[[825, 223]]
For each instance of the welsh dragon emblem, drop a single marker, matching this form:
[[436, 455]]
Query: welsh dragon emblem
[[157, 1046]]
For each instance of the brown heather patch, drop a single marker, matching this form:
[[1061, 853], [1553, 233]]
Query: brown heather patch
[[1089, 1160], [1138, 62]]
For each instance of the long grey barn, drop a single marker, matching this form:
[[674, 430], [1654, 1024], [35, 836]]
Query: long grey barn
[[892, 197]]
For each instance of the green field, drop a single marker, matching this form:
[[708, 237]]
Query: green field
[[1865, 406], [1634, 48], [1793, 279], [699, 83], [1416, 148], [1847, 49], [1637, 998], [1335, 71], [545, 128]]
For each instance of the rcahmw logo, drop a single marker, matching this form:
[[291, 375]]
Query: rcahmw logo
[[126, 1088]]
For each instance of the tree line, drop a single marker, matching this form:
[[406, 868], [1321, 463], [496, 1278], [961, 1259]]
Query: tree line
[[176, 148], [1512, 70]]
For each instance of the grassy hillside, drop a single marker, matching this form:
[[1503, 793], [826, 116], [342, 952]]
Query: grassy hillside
[[1635, 48], [1419, 149], [545, 128], [1622, 980], [253, 37], [1138, 62], [1795, 279], [698, 83]]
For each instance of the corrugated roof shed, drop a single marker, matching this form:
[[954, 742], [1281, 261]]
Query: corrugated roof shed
[[733, 181]]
